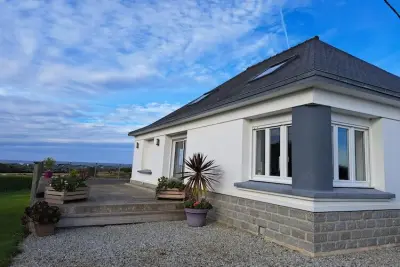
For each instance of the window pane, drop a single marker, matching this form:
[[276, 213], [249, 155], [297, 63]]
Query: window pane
[[289, 151], [360, 155], [275, 151], [260, 152], [179, 158], [343, 153]]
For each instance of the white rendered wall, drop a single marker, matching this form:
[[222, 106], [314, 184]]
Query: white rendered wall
[[224, 144], [391, 156], [150, 157]]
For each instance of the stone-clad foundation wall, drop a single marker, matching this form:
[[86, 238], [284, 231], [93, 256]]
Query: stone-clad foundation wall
[[313, 233]]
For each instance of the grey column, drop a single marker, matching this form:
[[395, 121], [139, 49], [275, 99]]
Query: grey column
[[312, 148]]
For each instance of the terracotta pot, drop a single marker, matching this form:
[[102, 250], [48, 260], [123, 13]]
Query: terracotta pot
[[44, 229], [196, 217]]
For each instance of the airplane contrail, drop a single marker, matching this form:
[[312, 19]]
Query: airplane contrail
[[284, 28]]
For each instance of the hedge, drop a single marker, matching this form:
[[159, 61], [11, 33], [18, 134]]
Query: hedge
[[10, 183]]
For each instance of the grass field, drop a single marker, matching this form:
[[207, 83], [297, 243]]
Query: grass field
[[12, 206], [11, 183]]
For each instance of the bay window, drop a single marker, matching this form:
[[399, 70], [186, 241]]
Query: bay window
[[272, 154]]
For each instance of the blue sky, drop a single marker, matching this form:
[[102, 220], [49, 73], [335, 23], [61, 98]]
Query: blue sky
[[77, 76]]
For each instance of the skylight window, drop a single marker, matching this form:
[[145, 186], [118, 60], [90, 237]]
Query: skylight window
[[199, 98], [270, 70]]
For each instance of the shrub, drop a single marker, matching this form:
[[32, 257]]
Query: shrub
[[74, 173], [42, 213], [166, 183], [69, 184], [9, 183]]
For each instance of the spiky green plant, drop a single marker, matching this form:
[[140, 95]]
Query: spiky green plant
[[201, 175]]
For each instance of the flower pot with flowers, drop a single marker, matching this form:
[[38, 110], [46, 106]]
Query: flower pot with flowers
[[170, 188], [41, 218], [200, 177], [48, 165]]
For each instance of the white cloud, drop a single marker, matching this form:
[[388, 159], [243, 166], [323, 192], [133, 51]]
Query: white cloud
[[40, 121], [59, 57], [97, 42]]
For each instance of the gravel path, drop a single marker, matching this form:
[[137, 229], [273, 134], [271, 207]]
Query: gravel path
[[175, 244]]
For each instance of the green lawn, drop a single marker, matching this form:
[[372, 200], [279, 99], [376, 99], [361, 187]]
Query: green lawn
[[12, 206]]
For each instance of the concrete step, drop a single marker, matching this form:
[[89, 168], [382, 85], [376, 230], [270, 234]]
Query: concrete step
[[101, 219], [98, 215], [133, 207]]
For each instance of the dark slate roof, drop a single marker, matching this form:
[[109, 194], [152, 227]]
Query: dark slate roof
[[310, 58]]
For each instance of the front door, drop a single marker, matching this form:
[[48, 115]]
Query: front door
[[178, 160]]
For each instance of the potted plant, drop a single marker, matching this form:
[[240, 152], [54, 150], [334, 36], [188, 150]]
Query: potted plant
[[48, 165], [44, 181], [200, 177], [170, 188], [63, 189], [41, 218], [196, 212]]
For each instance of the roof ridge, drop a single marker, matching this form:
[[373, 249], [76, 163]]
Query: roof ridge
[[284, 51], [357, 58]]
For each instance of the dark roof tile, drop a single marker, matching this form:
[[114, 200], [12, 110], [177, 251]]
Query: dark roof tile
[[306, 57]]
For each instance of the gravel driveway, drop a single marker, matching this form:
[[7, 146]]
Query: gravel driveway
[[175, 244]]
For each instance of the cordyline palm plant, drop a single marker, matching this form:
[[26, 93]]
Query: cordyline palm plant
[[201, 175]]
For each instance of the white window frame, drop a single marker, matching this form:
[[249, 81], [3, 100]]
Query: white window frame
[[352, 182], [172, 155], [283, 165]]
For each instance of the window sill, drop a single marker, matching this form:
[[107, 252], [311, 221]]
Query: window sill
[[359, 184], [145, 171], [336, 193], [272, 179]]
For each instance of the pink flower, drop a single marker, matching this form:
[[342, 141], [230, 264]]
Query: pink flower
[[48, 174]]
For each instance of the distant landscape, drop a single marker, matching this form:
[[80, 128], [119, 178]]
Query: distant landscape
[[74, 163], [62, 168]]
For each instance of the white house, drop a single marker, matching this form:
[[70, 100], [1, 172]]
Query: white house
[[309, 143]]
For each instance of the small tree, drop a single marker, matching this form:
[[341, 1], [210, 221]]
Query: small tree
[[49, 163], [201, 176]]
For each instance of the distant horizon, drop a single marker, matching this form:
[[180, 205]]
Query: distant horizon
[[62, 162]]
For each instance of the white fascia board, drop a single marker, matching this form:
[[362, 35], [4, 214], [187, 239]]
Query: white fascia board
[[358, 102]]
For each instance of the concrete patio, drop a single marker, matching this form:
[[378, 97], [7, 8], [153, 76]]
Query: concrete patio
[[114, 191]]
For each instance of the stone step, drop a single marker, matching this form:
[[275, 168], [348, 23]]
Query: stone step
[[100, 215], [101, 219], [112, 208]]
